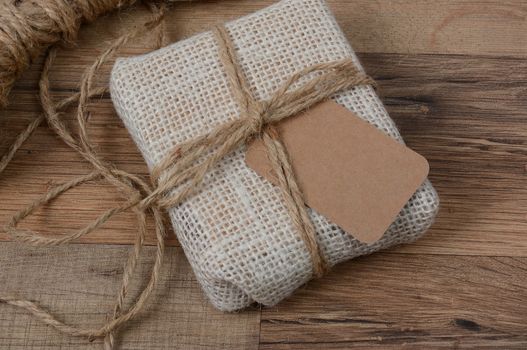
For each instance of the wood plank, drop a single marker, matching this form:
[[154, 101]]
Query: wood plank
[[471, 27], [475, 27], [394, 301], [465, 114], [80, 283]]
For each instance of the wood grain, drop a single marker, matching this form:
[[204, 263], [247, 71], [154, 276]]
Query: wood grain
[[452, 74], [467, 116], [393, 301], [80, 283]]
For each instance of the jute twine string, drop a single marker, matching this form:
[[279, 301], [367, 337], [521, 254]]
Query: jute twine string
[[27, 28], [130, 184], [185, 167]]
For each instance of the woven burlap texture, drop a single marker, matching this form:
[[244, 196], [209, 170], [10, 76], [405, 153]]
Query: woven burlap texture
[[235, 230]]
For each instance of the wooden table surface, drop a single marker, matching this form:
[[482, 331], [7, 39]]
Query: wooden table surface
[[453, 75]]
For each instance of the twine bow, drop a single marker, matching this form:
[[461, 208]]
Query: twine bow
[[256, 120], [185, 167]]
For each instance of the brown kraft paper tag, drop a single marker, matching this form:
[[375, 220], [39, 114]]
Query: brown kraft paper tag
[[348, 170]]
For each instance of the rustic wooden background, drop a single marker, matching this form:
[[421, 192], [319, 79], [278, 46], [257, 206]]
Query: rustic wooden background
[[453, 75]]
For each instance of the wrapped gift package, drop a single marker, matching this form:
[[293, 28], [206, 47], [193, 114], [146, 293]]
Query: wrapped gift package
[[235, 230]]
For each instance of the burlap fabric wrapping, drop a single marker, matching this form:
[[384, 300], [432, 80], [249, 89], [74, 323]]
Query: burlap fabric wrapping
[[235, 230]]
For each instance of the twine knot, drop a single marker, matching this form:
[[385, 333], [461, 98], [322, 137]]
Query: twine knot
[[180, 173], [256, 121], [179, 170]]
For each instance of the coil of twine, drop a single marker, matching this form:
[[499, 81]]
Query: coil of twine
[[184, 168], [27, 28]]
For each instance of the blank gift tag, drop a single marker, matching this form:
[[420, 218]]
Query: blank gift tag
[[348, 170]]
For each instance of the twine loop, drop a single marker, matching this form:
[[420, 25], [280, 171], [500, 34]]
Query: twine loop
[[181, 172]]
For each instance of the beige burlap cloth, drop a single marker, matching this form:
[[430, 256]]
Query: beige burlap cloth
[[235, 230]]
